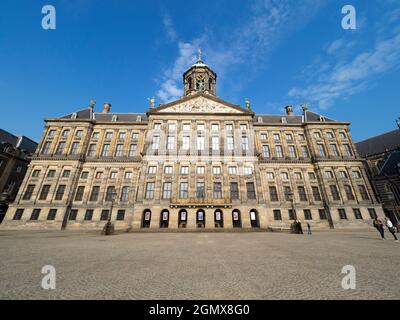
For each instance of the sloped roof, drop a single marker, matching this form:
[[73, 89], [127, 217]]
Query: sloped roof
[[391, 165], [81, 114], [385, 142], [120, 117]]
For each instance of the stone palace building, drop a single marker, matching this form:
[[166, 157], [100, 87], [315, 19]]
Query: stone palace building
[[197, 162]]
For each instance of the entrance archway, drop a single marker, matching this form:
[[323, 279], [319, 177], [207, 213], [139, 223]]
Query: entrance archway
[[200, 218], [254, 220], [182, 218], [218, 218], [236, 219], [146, 218], [164, 218]]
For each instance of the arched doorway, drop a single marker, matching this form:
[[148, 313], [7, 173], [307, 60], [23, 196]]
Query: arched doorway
[[218, 218], [200, 219], [236, 219], [254, 220], [146, 218], [164, 218], [182, 218]]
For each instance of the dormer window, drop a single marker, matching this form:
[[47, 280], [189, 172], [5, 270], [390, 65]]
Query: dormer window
[[114, 118], [138, 118], [74, 115], [260, 119], [283, 120]]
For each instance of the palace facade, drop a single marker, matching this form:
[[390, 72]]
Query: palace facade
[[198, 162]]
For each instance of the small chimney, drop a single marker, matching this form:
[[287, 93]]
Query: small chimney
[[106, 107], [289, 110]]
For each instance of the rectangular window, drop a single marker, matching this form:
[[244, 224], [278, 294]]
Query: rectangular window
[[125, 194], [157, 126], [312, 176], [149, 190], [72, 214], [302, 193], [335, 192], [60, 192], [18, 214], [66, 174], [234, 190], [60, 148], [277, 137], [288, 193], [119, 150], [200, 143], [215, 143], [132, 150], [334, 149], [347, 150], [46, 148], [109, 135], [183, 190], [171, 126], [184, 170], [217, 190], [304, 152], [316, 194], [95, 135], [74, 148], [113, 174], [357, 214], [201, 170], [307, 214], [110, 194], [216, 170], [265, 151], [79, 193], [51, 173], [170, 143], [92, 150], [52, 214], [273, 194], [200, 127], [35, 214], [99, 175], [52, 133], [167, 190], [104, 215], [349, 192], [279, 151], [168, 169], [155, 145], [245, 143], [121, 135], [264, 136], [128, 175], [94, 196], [28, 192], [321, 150], [363, 192], [322, 214], [289, 137], [214, 127], [230, 143], [232, 170], [200, 190], [135, 136], [277, 215], [45, 191], [79, 133], [120, 215], [65, 133], [342, 214], [292, 151], [88, 215], [229, 127], [372, 213], [105, 150], [248, 170], [152, 170], [186, 127], [251, 192], [186, 143]]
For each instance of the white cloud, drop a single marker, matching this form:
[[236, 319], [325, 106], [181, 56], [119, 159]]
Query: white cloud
[[247, 45], [169, 28], [351, 76]]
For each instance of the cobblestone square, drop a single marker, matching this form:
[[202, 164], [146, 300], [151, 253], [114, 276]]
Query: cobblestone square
[[198, 265]]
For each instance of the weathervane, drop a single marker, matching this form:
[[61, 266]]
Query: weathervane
[[199, 54]]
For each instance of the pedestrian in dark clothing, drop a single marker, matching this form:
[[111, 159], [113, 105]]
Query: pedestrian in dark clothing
[[391, 229], [299, 227], [379, 226], [309, 229]]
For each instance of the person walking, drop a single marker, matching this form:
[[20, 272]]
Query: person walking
[[379, 226], [391, 229], [309, 229]]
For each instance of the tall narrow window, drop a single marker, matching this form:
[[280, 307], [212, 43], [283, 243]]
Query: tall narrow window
[[79, 193], [279, 151], [273, 194], [60, 148], [292, 151], [321, 150], [91, 150], [215, 143], [95, 193], [46, 148], [245, 143], [349, 192], [149, 191], [316, 194], [74, 148], [200, 190], [265, 151], [230, 143], [200, 143], [125, 194], [110, 194], [104, 151], [234, 190], [335, 151], [167, 190], [186, 143], [217, 192], [155, 143], [304, 151], [288, 193], [277, 215], [183, 190], [363, 192], [170, 143], [335, 192], [45, 191], [347, 150], [251, 192], [132, 150], [60, 192], [302, 193], [307, 214]]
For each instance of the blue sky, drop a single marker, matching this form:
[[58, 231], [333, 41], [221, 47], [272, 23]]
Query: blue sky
[[273, 52]]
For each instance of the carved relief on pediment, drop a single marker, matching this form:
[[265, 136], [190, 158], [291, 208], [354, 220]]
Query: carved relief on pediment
[[200, 105]]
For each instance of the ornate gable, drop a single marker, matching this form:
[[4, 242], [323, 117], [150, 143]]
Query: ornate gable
[[200, 104]]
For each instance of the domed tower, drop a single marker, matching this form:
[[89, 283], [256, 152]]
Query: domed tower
[[199, 78]]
